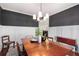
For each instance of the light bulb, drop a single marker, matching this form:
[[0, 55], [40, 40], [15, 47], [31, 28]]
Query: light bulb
[[34, 16], [39, 14]]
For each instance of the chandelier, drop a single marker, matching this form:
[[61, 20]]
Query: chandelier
[[40, 15]]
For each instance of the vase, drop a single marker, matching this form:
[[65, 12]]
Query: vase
[[39, 39]]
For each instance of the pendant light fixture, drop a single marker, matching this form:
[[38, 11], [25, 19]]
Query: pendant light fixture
[[40, 15]]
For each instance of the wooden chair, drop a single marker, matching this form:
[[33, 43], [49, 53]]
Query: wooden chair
[[4, 51], [24, 51], [44, 38], [6, 41], [50, 38], [20, 53]]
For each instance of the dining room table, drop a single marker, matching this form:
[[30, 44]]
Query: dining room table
[[49, 48]]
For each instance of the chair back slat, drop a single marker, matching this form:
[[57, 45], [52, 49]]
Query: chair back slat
[[5, 38]]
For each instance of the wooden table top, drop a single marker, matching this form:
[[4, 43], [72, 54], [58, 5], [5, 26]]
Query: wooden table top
[[43, 49]]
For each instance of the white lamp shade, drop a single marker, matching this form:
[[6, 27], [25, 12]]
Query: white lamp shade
[[39, 14], [44, 18], [38, 19], [34, 16], [47, 15]]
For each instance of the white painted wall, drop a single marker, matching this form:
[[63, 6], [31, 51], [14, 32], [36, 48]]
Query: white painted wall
[[16, 33], [66, 31]]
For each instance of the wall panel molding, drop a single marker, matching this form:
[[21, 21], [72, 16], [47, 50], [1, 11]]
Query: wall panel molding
[[0, 15]]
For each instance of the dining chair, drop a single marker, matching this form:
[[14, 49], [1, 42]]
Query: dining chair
[[6, 41], [20, 53], [50, 38], [4, 51], [24, 51]]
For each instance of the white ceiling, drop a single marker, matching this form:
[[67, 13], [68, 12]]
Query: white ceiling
[[33, 8]]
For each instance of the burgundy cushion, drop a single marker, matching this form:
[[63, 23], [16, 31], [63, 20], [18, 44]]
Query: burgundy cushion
[[67, 41]]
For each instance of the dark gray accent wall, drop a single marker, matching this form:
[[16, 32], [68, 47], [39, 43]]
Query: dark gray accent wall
[[11, 18], [66, 17], [0, 15]]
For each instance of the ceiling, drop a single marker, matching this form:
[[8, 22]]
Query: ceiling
[[33, 8]]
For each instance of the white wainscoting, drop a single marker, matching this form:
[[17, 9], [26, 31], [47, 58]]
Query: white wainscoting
[[16, 32], [65, 31]]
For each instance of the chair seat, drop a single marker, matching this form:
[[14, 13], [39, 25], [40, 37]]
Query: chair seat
[[9, 42]]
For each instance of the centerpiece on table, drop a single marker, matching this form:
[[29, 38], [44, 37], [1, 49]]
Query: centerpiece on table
[[39, 33]]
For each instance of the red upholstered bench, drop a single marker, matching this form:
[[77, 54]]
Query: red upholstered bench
[[67, 41], [70, 42]]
